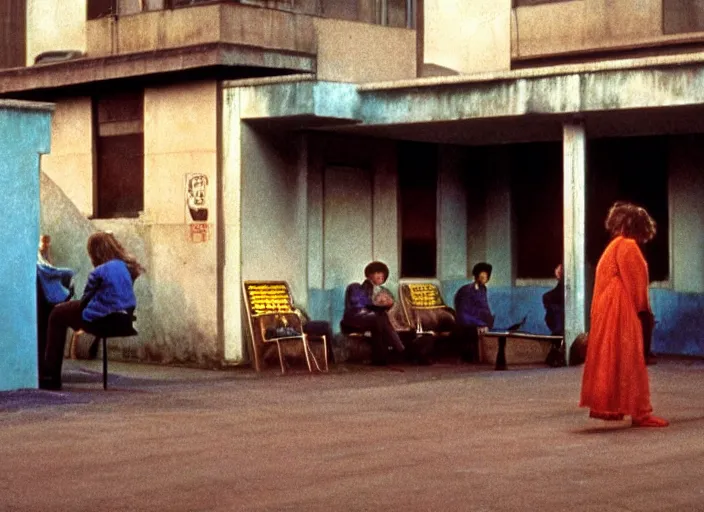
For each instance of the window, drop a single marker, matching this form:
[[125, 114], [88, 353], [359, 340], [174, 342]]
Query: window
[[12, 33], [617, 170], [682, 16], [417, 168], [536, 197], [100, 8], [119, 177]]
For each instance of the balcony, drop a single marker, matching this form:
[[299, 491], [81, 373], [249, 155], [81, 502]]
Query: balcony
[[226, 23]]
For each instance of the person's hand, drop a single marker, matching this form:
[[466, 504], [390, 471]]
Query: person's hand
[[482, 330]]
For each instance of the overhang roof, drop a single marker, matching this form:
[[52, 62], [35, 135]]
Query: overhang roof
[[616, 98], [230, 59]]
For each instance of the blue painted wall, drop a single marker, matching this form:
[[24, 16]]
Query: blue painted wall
[[680, 316], [25, 130]]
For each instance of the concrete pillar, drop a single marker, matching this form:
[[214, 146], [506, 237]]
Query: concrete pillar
[[574, 152], [230, 233]]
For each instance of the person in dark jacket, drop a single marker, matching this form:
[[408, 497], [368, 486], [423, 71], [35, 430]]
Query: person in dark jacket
[[472, 313], [366, 309], [109, 290], [554, 303]]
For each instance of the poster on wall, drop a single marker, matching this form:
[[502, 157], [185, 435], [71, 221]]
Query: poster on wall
[[197, 207]]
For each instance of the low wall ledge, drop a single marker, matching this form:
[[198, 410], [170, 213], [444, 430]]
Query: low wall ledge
[[26, 105]]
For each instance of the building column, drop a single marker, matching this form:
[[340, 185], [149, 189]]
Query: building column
[[229, 229], [574, 152]]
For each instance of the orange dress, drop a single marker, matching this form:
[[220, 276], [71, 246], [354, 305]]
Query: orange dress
[[615, 379]]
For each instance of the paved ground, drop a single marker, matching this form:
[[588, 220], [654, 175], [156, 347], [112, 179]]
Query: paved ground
[[440, 438]]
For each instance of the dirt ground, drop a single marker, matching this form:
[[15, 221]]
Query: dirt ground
[[436, 438]]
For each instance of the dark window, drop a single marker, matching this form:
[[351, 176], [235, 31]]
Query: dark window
[[629, 169], [101, 8], [682, 16], [536, 195], [12, 33], [119, 155], [417, 168]]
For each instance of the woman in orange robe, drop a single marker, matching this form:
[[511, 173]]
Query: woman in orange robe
[[615, 380]]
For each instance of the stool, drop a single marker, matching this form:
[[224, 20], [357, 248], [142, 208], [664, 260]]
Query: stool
[[115, 325]]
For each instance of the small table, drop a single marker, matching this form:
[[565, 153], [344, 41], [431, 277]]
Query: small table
[[503, 335]]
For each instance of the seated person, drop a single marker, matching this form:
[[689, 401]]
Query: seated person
[[554, 303], [366, 309], [472, 313], [109, 290], [54, 286]]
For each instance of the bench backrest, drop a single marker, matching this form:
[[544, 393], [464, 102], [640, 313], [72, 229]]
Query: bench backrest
[[423, 303]]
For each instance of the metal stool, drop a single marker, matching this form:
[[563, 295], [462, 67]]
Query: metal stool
[[115, 325]]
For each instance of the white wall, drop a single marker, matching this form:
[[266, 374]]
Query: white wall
[[55, 25], [468, 36]]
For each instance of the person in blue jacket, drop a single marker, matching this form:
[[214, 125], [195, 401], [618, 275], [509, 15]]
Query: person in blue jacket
[[109, 290], [366, 309], [472, 313], [54, 286]]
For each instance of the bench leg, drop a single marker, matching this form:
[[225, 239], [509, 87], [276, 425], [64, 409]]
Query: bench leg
[[105, 362], [501, 355]]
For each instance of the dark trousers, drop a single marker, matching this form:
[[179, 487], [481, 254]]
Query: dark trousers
[[465, 341], [383, 333], [64, 315]]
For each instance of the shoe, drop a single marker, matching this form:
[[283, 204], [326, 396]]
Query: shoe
[[650, 421]]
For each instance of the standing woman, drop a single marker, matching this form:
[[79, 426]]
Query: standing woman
[[108, 290], [615, 380]]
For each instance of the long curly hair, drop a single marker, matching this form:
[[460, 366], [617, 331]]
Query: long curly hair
[[630, 220], [102, 247]]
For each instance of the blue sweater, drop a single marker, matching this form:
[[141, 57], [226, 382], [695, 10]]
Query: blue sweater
[[472, 306], [55, 282], [108, 290]]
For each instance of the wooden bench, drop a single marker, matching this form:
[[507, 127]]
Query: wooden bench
[[549, 346]]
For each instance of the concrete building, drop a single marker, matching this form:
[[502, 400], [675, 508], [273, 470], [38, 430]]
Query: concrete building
[[225, 141]]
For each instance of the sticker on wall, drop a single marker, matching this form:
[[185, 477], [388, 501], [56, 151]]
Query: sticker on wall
[[197, 206]]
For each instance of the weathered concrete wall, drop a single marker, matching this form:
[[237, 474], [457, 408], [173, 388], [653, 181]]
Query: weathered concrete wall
[[468, 36], [360, 52], [180, 139], [686, 189], [177, 297], [25, 132], [452, 213], [70, 164], [55, 25], [555, 28], [273, 210], [680, 327]]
